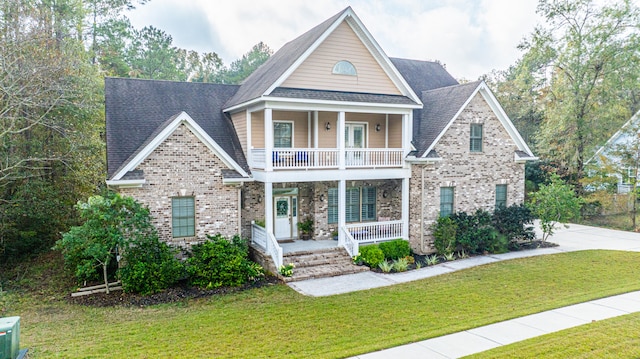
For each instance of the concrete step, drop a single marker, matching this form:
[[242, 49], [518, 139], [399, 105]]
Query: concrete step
[[320, 264]]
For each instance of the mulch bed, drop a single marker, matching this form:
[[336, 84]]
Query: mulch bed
[[179, 293]]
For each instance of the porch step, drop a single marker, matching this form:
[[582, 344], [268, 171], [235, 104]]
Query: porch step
[[320, 264]]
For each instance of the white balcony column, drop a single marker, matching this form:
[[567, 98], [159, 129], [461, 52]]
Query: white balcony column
[[268, 139], [268, 207], [407, 133], [386, 131], [342, 205], [249, 146], [405, 208], [316, 129], [340, 140]]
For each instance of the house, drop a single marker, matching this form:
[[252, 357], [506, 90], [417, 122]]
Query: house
[[607, 158], [371, 148]]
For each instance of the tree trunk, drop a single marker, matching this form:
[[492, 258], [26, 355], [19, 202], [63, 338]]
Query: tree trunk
[[104, 273]]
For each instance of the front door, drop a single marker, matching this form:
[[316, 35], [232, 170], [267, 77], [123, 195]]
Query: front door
[[354, 139], [285, 209]]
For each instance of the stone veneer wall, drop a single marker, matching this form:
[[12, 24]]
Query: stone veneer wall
[[183, 164], [473, 175]]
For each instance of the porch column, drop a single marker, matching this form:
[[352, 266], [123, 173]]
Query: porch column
[[315, 137], [342, 204], [407, 133], [340, 140], [268, 139], [249, 146], [268, 207], [405, 208]]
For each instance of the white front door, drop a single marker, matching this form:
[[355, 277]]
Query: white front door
[[354, 139], [285, 209]]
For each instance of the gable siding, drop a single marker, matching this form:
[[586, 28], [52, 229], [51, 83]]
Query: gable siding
[[183, 163], [300, 126], [473, 175], [239, 120], [343, 44]]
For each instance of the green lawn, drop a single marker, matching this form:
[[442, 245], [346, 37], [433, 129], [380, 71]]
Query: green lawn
[[277, 322], [611, 338]]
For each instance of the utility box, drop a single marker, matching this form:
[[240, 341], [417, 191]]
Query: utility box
[[9, 337]]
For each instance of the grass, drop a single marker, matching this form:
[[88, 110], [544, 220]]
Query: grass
[[610, 338], [615, 221], [275, 321]]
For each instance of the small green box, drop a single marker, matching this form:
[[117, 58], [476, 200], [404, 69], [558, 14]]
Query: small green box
[[9, 337]]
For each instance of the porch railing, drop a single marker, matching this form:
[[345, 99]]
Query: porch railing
[[321, 158], [375, 232], [352, 247], [267, 241]]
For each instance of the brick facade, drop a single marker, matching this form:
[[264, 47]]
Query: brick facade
[[474, 176], [183, 166]]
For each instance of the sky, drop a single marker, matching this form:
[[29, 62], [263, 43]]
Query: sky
[[470, 37]]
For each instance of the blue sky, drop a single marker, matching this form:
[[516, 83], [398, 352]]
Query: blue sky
[[471, 37]]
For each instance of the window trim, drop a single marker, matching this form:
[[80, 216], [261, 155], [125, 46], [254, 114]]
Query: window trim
[[503, 202], [333, 191], [190, 218], [273, 133], [451, 204], [474, 138], [340, 70]]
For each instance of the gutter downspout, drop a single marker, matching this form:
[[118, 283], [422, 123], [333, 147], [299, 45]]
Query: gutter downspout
[[422, 213]]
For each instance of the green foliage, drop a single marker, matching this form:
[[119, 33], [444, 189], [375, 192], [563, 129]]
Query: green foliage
[[149, 266], [221, 262], [385, 266], [306, 226], [514, 222], [554, 203], [475, 233], [449, 256], [242, 68], [444, 232], [110, 222], [395, 249], [286, 270], [371, 255], [432, 259], [400, 264]]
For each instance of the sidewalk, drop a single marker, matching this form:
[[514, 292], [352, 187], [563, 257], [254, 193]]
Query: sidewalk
[[574, 238]]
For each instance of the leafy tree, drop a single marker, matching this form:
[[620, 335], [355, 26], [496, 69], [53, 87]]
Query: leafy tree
[[152, 55], [554, 203], [242, 68], [626, 162], [111, 223], [583, 66]]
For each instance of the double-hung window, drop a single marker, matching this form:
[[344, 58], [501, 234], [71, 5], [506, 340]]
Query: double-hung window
[[501, 195], [475, 141], [283, 134], [446, 201], [183, 217], [360, 204]]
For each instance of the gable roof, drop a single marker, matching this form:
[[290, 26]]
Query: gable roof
[[633, 121], [423, 75], [137, 111], [443, 105], [278, 67]]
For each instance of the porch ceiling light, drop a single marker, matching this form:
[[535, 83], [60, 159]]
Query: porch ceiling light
[[328, 126], [378, 128]]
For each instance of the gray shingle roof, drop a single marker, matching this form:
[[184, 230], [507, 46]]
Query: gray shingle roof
[[266, 75], [423, 75], [440, 105], [136, 110], [341, 96]]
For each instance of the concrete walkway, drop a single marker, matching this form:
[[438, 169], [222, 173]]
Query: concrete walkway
[[574, 238]]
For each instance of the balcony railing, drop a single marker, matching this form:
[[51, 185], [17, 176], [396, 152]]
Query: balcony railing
[[375, 231], [323, 158]]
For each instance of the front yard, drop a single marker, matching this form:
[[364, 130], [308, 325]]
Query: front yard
[[275, 321]]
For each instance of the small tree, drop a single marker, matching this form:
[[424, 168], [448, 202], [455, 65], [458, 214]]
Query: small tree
[[110, 222], [554, 203]]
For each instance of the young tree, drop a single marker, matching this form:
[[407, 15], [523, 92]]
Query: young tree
[[554, 203], [110, 224]]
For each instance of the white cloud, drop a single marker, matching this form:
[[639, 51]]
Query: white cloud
[[470, 37]]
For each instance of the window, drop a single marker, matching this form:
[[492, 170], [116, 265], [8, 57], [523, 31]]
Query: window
[[183, 217], [501, 195], [475, 145], [344, 67], [283, 134], [446, 201], [360, 204]]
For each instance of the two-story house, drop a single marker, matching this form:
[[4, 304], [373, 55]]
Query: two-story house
[[329, 128]]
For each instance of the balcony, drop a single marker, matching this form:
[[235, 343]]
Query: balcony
[[327, 158]]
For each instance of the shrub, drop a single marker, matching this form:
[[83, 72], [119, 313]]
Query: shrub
[[395, 249], [400, 265], [221, 262], [149, 267], [474, 232], [444, 232], [371, 255], [385, 266], [554, 203], [514, 222]]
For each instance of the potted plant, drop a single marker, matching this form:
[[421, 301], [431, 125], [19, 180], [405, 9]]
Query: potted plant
[[306, 228]]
